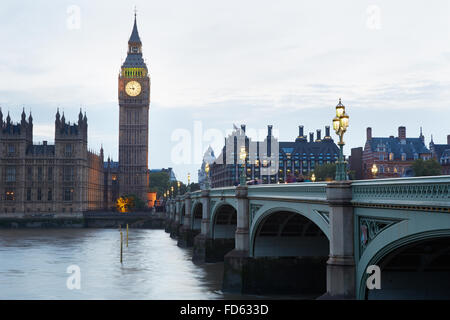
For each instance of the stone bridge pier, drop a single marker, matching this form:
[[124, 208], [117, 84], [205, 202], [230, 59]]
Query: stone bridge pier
[[170, 216], [187, 232], [177, 222]]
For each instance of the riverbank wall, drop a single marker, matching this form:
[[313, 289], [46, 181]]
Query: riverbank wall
[[143, 220]]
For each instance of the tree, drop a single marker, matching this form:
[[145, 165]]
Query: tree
[[429, 167], [129, 202], [159, 182], [324, 172]]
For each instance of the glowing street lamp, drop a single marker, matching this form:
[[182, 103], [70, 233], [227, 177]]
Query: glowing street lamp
[[243, 156], [374, 170], [189, 182], [171, 189], [207, 176], [340, 125], [179, 185], [313, 178]]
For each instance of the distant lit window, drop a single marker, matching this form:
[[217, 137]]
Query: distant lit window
[[403, 156], [9, 195], [391, 156]]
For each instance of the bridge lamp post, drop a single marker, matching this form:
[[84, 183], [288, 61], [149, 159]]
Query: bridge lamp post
[[243, 177], [179, 185], [189, 182], [207, 176], [374, 170], [340, 125], [313, 178], [171, 189]]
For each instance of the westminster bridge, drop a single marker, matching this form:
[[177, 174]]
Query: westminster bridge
[[323, 238]]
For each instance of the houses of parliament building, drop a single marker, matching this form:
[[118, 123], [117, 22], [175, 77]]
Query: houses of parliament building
[[66, 176]]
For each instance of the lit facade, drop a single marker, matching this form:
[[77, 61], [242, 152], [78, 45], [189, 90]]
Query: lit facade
[[296, 159], [392, 156]]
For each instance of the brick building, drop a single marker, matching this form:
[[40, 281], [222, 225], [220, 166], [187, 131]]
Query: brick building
[[393, 156]]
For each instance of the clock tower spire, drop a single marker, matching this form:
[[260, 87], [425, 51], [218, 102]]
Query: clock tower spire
[[134, 103]]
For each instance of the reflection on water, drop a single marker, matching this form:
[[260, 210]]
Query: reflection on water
[[33, 264]]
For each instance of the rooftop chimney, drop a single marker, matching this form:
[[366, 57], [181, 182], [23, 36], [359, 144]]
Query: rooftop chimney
[[45, 143], [402, 133], [300, 131], [448, 139], [243, 127], [319, 135], [327, 132], [311, 137], [369, 133]]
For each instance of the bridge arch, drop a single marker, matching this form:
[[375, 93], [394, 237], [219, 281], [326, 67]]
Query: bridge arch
[[197, 214], [289, 233], [224, 221], [416, 266], [314, 217], [291, 250]]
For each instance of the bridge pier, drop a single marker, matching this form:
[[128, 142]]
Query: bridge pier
[[170, 217], [207, 249], [341, 280], [236, 261], [187, 234], [176, 225]]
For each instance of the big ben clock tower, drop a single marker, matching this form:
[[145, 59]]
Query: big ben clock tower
[[134, 102]]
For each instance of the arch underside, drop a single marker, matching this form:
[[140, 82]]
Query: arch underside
[[197, 213], [417, 270], [407, 270], [289, 234], [290, 252], [224, 222]]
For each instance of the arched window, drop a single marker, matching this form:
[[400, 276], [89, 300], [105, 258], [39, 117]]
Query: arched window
[[391, 156]]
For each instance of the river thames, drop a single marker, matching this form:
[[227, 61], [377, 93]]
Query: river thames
[[34, 262]]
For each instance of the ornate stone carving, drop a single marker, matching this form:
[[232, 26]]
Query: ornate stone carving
[[253, 210], [369, 228], [324, 214]]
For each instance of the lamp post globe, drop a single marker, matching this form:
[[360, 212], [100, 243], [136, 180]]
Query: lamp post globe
[[340, 125], [243, 175], [207, 176]]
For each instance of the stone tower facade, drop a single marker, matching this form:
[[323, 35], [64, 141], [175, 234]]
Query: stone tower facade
[[134, 102]]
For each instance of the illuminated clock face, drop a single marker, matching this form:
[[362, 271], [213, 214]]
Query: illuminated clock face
[[133, 88]]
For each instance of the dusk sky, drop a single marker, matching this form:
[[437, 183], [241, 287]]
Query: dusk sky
[[215, 63]]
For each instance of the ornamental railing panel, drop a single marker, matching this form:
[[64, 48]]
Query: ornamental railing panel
[[420, 192], [307, 191]]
